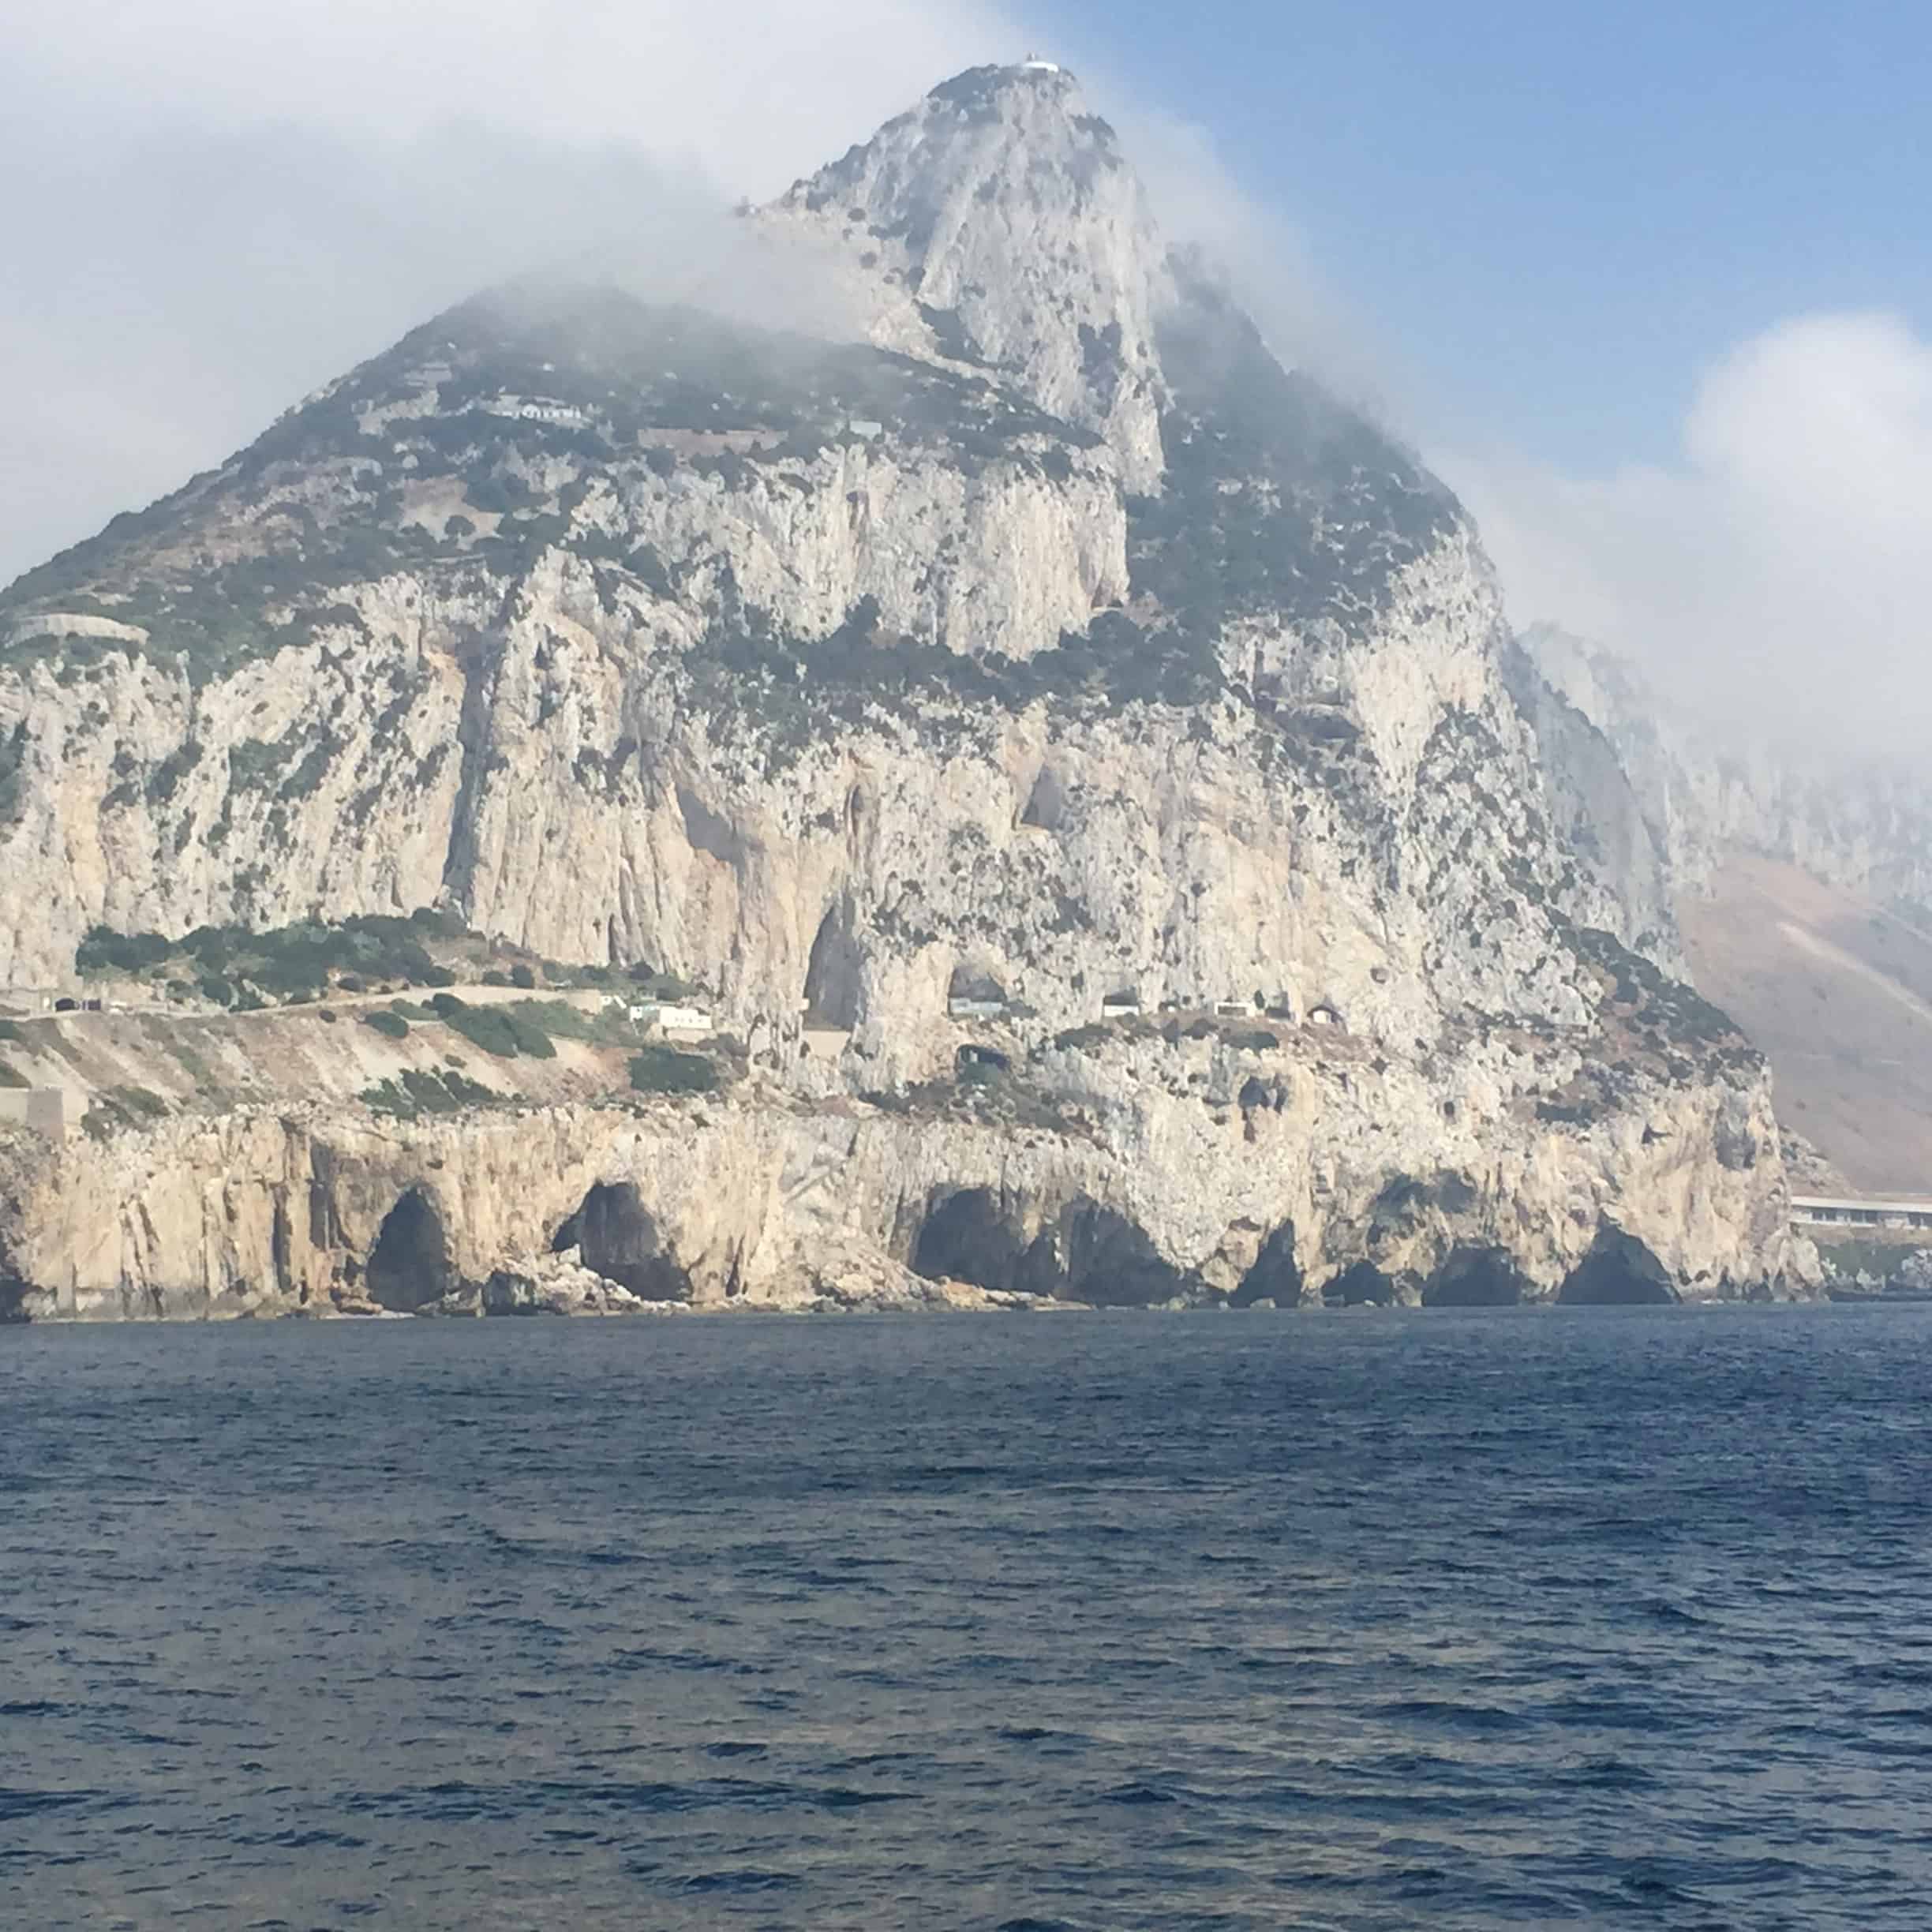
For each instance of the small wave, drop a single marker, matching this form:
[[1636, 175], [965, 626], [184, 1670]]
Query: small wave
[[20, 1804], [1138, 1795], [1485, 1718], [746, 1882]]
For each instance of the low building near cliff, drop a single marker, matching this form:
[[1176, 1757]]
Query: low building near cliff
[[1827, 1210], [692, 1021], [41, 1109], [1122, 1005], [976, 1008]]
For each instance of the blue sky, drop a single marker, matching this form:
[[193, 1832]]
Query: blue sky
[[1556, 215]]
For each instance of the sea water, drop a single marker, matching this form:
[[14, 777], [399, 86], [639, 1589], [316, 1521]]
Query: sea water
[[1387, 1619]]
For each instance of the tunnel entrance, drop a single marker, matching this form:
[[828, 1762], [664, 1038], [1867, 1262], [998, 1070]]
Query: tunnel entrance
[[1619, 1272], [618, 1238], [409, 1266], [966, 1238], [1276, 1275], [1475, 1277]]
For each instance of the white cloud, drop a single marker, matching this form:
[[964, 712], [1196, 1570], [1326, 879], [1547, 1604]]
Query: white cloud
[[741, 87], [1779, 573], [233, 202]]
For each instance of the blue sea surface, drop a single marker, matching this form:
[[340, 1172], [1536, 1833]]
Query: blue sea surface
[[1524, 1618]]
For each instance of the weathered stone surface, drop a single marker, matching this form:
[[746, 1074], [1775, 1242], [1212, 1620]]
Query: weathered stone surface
[[1053, 635]]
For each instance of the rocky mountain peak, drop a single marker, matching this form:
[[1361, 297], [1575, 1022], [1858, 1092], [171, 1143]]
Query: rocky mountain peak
[[996, 225]]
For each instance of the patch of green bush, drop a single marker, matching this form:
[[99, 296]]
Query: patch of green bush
[[390, 1025], [561, 1020], [105, 950], [416, 1093], [506, 1032], [664, 1070]]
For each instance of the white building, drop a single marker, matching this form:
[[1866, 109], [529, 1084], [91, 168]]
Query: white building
[[688, 1019], [1829, 1211], [977, 1009], [537, 408]]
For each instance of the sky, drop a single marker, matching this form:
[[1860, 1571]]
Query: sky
[[1646, 281]]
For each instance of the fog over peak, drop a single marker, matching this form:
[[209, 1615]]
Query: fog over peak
[[264, 196]]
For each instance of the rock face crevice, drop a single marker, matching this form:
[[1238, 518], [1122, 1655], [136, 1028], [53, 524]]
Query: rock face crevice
[[967, 1236], [13, 1290], [1361, 1284], [1098, 1255]]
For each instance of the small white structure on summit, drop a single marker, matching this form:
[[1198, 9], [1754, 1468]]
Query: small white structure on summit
[[1033, 63]]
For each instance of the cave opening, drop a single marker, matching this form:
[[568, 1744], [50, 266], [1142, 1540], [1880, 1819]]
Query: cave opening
[[13, 1289], [410, 1266], [966, 1237], [619, 1239], [1619, 1271], [1099, 1256], [1357, 1286], [1276, 1275], [1045, 804], [832, 973], [1476, 1277]]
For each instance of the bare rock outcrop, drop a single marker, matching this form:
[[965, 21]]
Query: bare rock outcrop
[[1048, 634]]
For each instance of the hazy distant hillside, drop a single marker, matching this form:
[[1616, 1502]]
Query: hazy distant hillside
[[1837, 992]]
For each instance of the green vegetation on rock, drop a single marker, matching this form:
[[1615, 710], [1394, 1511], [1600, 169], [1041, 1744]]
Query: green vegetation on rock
[[413, 1093], [659, 1070]]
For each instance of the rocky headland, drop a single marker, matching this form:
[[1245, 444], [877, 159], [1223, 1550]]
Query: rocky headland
[[1065, 777]]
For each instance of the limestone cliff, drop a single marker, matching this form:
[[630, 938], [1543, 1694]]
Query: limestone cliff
[[1041, 633]]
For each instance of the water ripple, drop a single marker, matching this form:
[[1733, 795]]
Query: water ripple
[[1233, 1623]]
